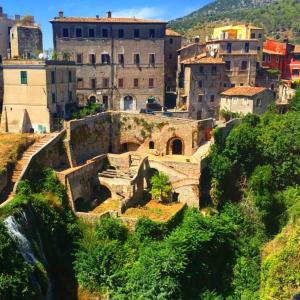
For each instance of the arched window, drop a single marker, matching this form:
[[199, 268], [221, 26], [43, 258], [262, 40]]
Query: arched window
[[151, 145], [177, 147]]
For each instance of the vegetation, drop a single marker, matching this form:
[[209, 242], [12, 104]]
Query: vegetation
[[279, 18], [160, 186], [91, 108]]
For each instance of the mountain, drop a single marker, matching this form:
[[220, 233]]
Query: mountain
[[280, 18]]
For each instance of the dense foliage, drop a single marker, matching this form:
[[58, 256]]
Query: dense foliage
[[279, 18]]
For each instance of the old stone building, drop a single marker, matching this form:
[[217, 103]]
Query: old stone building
[[26, 41], [204, 79], [37, 94], [120, 61], [247, 99]]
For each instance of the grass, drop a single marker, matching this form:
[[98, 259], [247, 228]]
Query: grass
[[11, 147]]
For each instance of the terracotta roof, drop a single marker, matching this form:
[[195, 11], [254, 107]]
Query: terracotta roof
[[244, 91], [297, 49], [103, 20], [272, 52], [203, 59], [171, 32]]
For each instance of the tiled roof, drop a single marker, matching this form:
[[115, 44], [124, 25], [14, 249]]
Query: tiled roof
[[273, 52], [171, 32], [103, 20], [203, 59], [244, 91]]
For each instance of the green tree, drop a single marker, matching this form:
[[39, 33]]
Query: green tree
[[160, 186]]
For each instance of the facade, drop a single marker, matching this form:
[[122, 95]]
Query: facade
[[204, 79], [26, 41], [295, 63], [1, 87], [36, 94], [172, 44], [120, 61], [247, 99]]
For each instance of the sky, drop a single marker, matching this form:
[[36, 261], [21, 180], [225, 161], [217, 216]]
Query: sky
[[45, 10]]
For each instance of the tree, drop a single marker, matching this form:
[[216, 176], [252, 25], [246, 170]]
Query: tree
[[161, 186]]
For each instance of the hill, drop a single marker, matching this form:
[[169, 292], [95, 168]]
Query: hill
[[280, 18]]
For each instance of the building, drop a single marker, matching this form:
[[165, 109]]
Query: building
[[120, 61], [240, 57], [247, 99], [295, 63], [204, 79], [172, 44], [1, 87], [37, 94], [26, 41]]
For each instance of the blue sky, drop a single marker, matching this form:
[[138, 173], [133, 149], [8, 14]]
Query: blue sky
[[44, 10]]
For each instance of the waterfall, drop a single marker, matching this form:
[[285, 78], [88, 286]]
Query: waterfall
[[17, 227]]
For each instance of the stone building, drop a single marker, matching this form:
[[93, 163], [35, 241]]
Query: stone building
[[247, 99], [37, 94], [26, 41], [1, 87], [204, 79], [120, 61]]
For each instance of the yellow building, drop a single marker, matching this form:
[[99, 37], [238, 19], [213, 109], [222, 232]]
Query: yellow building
[[37, 94]]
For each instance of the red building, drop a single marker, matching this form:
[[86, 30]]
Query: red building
[[282, 56]]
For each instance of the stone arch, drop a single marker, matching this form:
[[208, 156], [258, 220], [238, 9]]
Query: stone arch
[[129, 146], [92, 98], [175, 146], [151, 145], [128, 102], [80, 204], [104, 192]]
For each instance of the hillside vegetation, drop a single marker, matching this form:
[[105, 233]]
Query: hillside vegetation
[[280, 18]]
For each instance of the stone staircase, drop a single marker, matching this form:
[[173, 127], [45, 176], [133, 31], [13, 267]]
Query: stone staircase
[[22, 163], [135, 160]]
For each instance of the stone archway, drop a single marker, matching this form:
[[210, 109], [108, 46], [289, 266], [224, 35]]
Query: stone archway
[[92, 99], [128, 103], [175, 146], [130, 146]]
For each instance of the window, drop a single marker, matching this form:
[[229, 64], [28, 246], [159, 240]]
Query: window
[[80, 83], [53, 98], [244, 65], [23, 77], [201, 69], [135, 82], [136, 33], [295, 72], [0, 59], [53, 77], [260, 35], [79, 58], [229, 47], [152, 59], [241, 84], [258, 102], [212, 98], [171, 41], [258, 48], [253, 35], [264, 57], [228, 65], [92, 58], [121, 33], [151, 145], [269, 58], [105, 83], [121, 59], [200, 98], [65, 32], [105, 33], [151, 83], [93, 83], [70, 96], [234, 100], [246, 48], [78, 32], [91, 32], [105, 59], [121, 82], [277, 58], [136, 58], [200, 84], [151, 33], [70, 76], [213, 70]]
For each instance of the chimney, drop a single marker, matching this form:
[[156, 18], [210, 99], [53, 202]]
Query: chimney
[[60, 14], [109, 14]]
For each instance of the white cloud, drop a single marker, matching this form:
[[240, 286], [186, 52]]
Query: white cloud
[[142, 13]]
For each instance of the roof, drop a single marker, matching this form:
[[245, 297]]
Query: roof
[[297, 49], [249, 91], [203, 59], [171, 32], [103, 20], [35, 62], [273, 52], [274, 47]]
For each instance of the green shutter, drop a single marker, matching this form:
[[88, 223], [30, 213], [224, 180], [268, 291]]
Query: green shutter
[[23, 77]]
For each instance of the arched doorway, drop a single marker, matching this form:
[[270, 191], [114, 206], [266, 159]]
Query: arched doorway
[[175, 147], [128, 102], [103, 193], [126, 147], [81, 205], [92, 99]]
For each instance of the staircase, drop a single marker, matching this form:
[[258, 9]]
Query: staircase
[[135, 160], [108, 173], [22, 163]]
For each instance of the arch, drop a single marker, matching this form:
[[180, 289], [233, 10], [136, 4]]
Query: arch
[[81, 205], [151, 145], [104, 192], [130, 146], [92, 99], [151, 172], [175, 146], [129, 102]]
